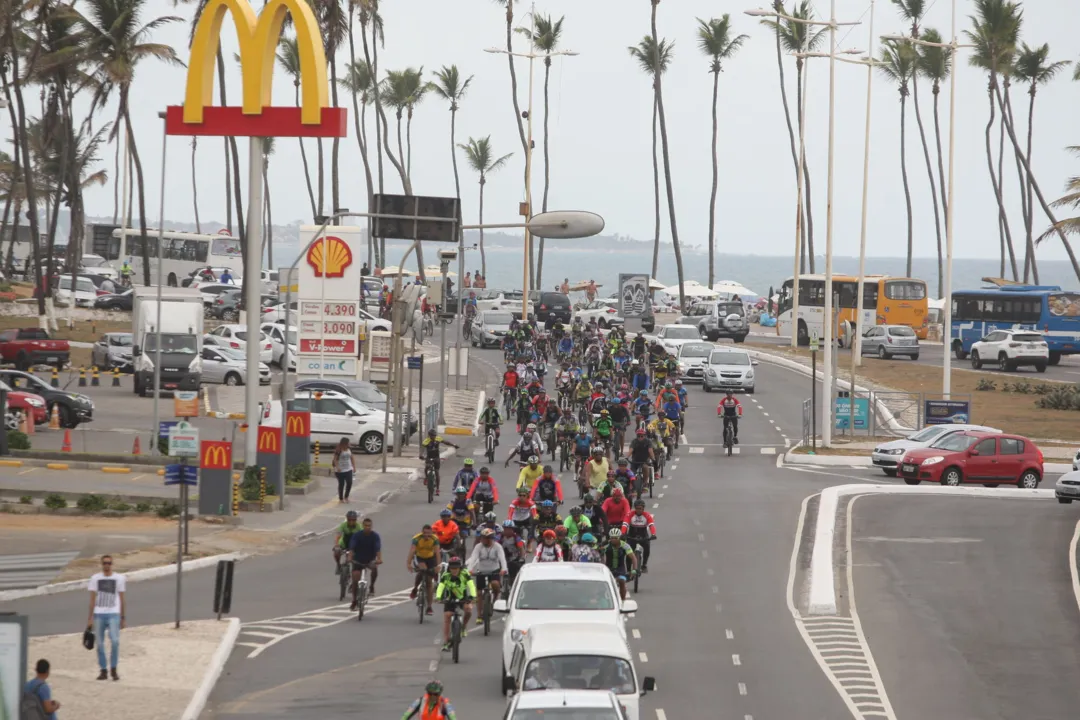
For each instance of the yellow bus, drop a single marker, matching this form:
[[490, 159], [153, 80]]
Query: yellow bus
[[903, 301], [886, 300]]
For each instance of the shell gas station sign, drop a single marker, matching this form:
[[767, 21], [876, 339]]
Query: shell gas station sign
[[329, 321]]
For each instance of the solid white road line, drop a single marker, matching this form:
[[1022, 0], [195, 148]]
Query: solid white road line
[[660, 714], [1073, 571]]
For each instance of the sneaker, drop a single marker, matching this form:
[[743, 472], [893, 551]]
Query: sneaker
[[736, 441], [114, 675], [103, 675], [371, 592], [354, 605], [464, 632], [429, 612], [446, 647], [479, 621], [412, 595]]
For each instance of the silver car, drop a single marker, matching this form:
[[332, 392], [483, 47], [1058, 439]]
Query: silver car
[[729, 370], [229, 367], [887, 455], [112, 350], [489, 327], [888, 340], [693, 357], [1068, 487]]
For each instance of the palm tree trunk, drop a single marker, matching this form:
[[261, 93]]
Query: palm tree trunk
[[1020, 176], [268, 236], [142, 187], [195, 185], [547, 175], [903, 173], [715, 173], [483, 255], [808, 245], [1030, 219], [359, 119], [335, 188], [453, 153], [656, 189], [406, 183], [659, 90], [408, 143], [1042, 200], [1003, 223], [778, 5], [303, 157], [232, 162], [517, 117], [116, 182], [1001, 185], [933, 185], [321, 178], [940, 161], [371, 57], [404, 171]]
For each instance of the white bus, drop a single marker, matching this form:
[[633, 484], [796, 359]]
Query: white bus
[[812, 304], [182, 253]]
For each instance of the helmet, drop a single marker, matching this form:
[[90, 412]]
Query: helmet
[[484, 470], [643, 393], [487, 533], [548, 470], [431, 432], [510, 366], [531, 427], [455, 562], [533, 460], [445, 513], [509, 524], [617, 492], [568, 411], [588, 539], [560, 530], [639, 503], [491, 401], [598, 450], [548, 504], [730, 393], [351, 515], [460, 490], [468, 462], [667, 386], [588, 499], [576, 510], [490, 516], [604, 412], [678, 383], [641, 431], [549, 534], [623, 462], [523, 492], [433, 688], [613, 533]]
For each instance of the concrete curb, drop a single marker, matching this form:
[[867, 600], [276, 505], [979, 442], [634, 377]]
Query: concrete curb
[[134, 576], [213, 671], [822, 595], [855, 461]]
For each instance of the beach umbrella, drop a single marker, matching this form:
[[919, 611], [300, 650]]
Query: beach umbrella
[[691, 288], [655, 284], [436, 271], [731, 287]]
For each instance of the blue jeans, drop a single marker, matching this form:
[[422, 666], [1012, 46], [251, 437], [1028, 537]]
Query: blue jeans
[[109, 623]]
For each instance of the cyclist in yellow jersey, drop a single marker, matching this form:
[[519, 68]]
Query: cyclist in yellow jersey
[[662, 427], [529, 473], [597, 468], [423, 560]]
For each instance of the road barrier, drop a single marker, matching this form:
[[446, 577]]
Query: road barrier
[[223, 584], [82, 377], [55, 381], [116, 377], [95, 380]]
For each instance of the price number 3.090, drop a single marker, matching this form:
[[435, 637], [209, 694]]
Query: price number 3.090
[[339, 328]]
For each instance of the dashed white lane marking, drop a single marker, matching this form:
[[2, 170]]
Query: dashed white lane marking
[[736, 660], [730, 635], [765, 414], [660, 496], [705, 553], [660, 714], [768, 451], [697, 522], [434, 666], [701, 537], [719, 607], [710, 572], [716, 590], [636, 633], [655, 505], [742, 688], [664, 487], [697, 450], [644, 657]]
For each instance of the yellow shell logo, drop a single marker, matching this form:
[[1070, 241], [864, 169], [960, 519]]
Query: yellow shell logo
[[338, 256]]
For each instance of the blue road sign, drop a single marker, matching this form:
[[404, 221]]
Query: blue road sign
[[177, 474], [415, 361], [164, 426]]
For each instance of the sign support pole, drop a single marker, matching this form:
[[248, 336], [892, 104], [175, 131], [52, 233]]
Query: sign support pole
[[420, 413], [180, 539], [252, 293], [408, 402], [813, 396]]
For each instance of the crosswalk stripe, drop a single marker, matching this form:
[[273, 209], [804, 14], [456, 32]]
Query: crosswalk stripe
[[32, 570]]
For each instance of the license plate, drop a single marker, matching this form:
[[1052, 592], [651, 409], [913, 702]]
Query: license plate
[[908, 468], [1070, 490], [51, 359], [171, 386]]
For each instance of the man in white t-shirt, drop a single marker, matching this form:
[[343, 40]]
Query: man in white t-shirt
[[107, 610]]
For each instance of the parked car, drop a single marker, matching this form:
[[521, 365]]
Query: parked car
[[276, 333], [975, 457], [671, 337], [116, 301], [885, 341], [1067, 488], [605, 312], [236, 337], [85, 293], [361, 390], [1010, 349], [544, 306], [71, 408], [27, 347], [112, 350], [334, 416], [20, 404], [489, 327], [229, 367], [729, 370], [210, 291], [887, 455], [92, 264], [494, 300], [1076, 461], [715, 319], [693, 358]]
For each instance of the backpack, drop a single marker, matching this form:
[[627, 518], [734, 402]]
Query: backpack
[[32, 707]]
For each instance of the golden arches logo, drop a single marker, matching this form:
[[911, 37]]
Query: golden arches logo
[[330, 257], [297, 425], [215, 456], [268, 440]]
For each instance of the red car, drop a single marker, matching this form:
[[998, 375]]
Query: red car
[[975, 457], [21, 403]]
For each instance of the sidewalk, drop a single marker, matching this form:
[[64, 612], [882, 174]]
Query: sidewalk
[[163, 671]]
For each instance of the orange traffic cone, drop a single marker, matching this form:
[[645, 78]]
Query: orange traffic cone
[[54, 417], [66, 447], [136, 449]]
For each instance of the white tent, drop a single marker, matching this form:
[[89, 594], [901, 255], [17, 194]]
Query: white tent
[[436, 271], [691, 288], [655, 284], [731, 287]]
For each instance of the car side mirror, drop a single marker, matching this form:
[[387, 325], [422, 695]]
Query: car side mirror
[[753, 362], [629, 606], [973, 451], [648, 685], [509, 685], [501, 606]]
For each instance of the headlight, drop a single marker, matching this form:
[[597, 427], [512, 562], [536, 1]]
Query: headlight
[[750, 375], [517, 635], [196, 364], [711, 373], [897, 451], [34, 402], [932, 461]]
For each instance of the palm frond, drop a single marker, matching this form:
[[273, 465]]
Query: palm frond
[[646, 54]]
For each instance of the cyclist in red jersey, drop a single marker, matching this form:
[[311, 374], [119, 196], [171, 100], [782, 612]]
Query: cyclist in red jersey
[[510, 377]]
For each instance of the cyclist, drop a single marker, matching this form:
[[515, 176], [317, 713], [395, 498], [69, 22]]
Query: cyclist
[[625, 477], [640, 528], [522, 513], [514, 550], [638, 345], [463, 510], [490, 418], [483, 491], [731, 409], [551, 418], [598, 468], [432, 705], [530, 473], [615, 508], [592, 511], [547, 518], [618, 555], [585, 550], [547, 487], [487, 564], [529, 445], [540, 404], [465, 475], [125, 273], [510, 377], [365, 551], [429, 452], [663, 429], [562, 539], [422, 561], [620, 416], [639, 376], [672, 410], [456, 587], [577, 524], [681, 391], [643, 406], [446, 530], [566, 427], [548, 550], [490, 522], [343, 536], [641, 452], [603, 427]]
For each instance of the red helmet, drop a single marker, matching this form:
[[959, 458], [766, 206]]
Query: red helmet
[[549, 534], [641, 431], [617, 492]]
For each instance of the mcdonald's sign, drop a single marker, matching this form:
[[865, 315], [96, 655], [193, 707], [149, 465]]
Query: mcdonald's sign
[[258, 36], [298, 424], [269, 440], [215, 455]]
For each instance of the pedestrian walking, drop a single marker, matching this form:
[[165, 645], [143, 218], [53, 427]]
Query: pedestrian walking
[[108, 607], [480, 282], [365, 271], [343, 469], [37, 702]]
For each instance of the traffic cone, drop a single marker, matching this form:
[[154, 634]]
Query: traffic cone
[[66, 447], [29, 423], [54, 417], [22, 424], [136, 449], [82, 377]]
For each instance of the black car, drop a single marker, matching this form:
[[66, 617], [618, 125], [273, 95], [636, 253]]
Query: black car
[[116, 301], [360, 390], [72, 408], [551, 306]]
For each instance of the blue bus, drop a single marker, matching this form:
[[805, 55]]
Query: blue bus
[[1045, 308]]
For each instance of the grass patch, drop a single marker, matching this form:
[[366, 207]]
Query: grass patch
[[83, 331]]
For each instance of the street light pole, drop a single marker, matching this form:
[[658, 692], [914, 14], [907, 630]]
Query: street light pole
[[856, 342]]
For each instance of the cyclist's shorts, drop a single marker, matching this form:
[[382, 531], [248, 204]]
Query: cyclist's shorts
[[430, 563], [482, 580], [452, 604], [358, 566]]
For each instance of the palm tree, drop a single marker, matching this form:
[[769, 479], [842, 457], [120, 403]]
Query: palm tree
[[369, 17], [935, 64], [1068, 226], [268, 235], [450, 87], [544, 36], [482, 160], [647, 57], [716, 42], [395, 94], [996, 26], [509, 5], [798, 37], [417, 89], [288, 58], [334, 25], [898, 64], [1032, 66]]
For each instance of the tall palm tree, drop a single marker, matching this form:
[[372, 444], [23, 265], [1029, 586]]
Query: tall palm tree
[[357, 84], [996, 26], [450, 87], [117, 42], [482, 160], [935, 64], [288, 58], [1068, 226], [1033, 66], [897, 63], [649, 60], [798, 37], [544, 35], [268, 234], [195, 183], [334, 25], [417, 89], [716, 42], [395, 95]]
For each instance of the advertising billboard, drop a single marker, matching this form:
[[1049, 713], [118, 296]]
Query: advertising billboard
[[329, 303]]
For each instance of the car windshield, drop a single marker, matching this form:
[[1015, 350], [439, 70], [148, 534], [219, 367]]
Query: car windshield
[[927, 434], [120, 340], [1028, 337], [565, 595], [682, 333], [184, 344], [564, 713], [729, 358], [369, 395], [583, 672], [956, 442], [901, 331], [231, 353], [498, 318], [695, 351]]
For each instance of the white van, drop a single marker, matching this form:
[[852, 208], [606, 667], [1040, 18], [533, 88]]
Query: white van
[[577, 656]]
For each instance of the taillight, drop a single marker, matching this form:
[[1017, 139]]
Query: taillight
[[1014, 344], [889, 339], [234, 345], [219, 301], [543, 307], [611, 311], [1039, 454]]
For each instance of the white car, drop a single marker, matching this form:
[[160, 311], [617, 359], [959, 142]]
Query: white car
[[335, 415], [372, 322], [671, 337], [1010, 349], [693, 358], [92, 264], [729, 369], [236, 337], [887, 455], [559, 593], [605, 311], [1067, 488], [1076, 461], [85, 292], [593, 704], [276, 333], [229, 367], [487, 300]]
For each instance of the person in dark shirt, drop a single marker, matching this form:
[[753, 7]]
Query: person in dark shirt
[[365, 551]]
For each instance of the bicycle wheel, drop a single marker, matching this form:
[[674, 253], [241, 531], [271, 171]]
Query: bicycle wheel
[[431, 486], [343, 582], [455, 635], [361, 597], [487, 611], [421, 602], [637, 577], [651, 481]]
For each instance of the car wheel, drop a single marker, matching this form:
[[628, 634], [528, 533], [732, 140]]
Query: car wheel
[[233, 379], [912, 481], [603, 324], [958, 351], [230, 316], [739, 338], [750, 391], [1064, 501], [891, 472], [67, 417], [1003, 363], [976, 362], [1040, 367], [703, 334], [881, 353], [915, 357], [12, 420], [1029, 480], [951, 477], [372, 443]]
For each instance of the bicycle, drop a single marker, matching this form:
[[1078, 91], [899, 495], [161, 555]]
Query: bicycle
[[487, 600], [489, 444], [344, 575], [509, 402], [427, 325], [423, 591], [430, 479], [361, 591], [729, 437], [637, 573], [565, 456], [455, 631]]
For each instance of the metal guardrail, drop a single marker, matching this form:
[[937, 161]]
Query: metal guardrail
[[431, 415]]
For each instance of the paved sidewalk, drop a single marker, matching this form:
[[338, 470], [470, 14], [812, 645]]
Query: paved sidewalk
[[160, 670]]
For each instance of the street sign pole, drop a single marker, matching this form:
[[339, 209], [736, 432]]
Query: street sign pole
[[813, 391], [180, 545]]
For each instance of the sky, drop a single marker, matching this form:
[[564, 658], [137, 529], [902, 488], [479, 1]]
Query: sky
[[600, 127]]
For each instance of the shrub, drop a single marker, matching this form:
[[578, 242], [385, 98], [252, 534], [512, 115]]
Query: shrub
[[249, 486], [1022, 386], [26, 500], [18, 440], [55, 501], [91, 503], [985, 384], [163, 446], [1060, 398], [1042, 388], [298, 474], [119, 505], [142, 507], [168, 509]]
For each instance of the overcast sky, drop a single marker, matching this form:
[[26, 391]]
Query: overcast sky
[[600, 127]]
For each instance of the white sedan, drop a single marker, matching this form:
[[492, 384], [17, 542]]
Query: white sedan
[[229, 367], [605, 312], [236, 337], [671, 337], [276, 333], [335, 415]]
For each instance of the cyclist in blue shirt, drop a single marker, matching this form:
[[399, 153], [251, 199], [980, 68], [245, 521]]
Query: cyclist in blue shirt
[[643, 405], [672, 410], [566, 345], [682, 394]]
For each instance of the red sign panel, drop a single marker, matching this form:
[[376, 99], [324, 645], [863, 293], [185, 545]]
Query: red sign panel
[[327, 347], [215, 455], [298, 424], [270, 440]]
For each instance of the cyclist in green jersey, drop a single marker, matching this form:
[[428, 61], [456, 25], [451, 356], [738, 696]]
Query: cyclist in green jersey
[[343, 536], [603, 427], [456, 587]]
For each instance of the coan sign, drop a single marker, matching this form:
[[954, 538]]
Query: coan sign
[[258, 36]]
